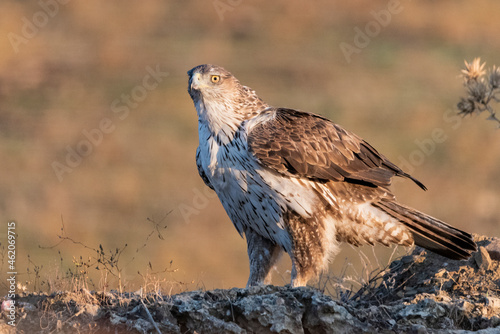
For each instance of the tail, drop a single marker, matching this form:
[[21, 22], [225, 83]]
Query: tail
[[431, 233]]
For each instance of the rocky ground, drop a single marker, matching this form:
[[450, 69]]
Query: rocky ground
[[419, 293]]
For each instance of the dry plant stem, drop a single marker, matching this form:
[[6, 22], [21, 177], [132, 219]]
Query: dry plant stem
[[150, 317], [482, 89], [104, 261]]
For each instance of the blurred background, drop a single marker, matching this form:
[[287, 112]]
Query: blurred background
[[98, 134]]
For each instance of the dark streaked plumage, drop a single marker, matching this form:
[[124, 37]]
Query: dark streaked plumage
[[301, 144], [294, 181]]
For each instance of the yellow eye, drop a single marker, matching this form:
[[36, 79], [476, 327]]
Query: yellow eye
[[215, 78]]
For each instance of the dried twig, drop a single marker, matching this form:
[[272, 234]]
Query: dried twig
[[150, 317]]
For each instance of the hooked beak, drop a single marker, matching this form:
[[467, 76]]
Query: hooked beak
[[196, 81]]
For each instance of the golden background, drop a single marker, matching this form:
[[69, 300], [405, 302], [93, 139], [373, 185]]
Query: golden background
[[69, 67]]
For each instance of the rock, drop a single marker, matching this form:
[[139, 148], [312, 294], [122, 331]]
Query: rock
[[92, 309], [493, 302], [426, 309], [418, 329], [482, 259], [279, 313], [115, 319], [420, 293], [493, 249], [324, 315], [441, 273], [263, 309]]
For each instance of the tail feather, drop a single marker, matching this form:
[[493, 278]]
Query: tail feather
[[431, 233]]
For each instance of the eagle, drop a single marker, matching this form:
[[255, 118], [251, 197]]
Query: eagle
[[293, 181]]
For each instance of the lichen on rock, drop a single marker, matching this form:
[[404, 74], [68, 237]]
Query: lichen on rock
[[418, 293]]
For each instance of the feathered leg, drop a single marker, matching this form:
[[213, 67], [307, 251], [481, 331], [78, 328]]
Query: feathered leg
[[311, 247], [263, 254]]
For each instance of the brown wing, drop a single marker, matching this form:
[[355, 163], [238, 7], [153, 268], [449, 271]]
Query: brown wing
[[300, 144]]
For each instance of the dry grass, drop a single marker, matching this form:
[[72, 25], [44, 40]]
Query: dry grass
[[102, 269], [354, 282]]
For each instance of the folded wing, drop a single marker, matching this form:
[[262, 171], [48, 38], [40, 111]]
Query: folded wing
[[305, 145]]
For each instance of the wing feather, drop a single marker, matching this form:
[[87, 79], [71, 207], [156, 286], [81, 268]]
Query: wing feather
[[305, 145]]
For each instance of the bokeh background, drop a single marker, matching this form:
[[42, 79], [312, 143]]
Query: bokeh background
[[69, 67]]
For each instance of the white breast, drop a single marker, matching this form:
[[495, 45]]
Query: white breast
[[253, 197]]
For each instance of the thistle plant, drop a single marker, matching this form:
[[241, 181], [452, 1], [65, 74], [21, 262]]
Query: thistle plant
[[482, 89]]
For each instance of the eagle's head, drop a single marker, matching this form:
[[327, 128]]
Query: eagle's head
[[212, 83], [221, 101]]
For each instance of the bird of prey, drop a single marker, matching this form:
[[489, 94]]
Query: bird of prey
[[295, 182]]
